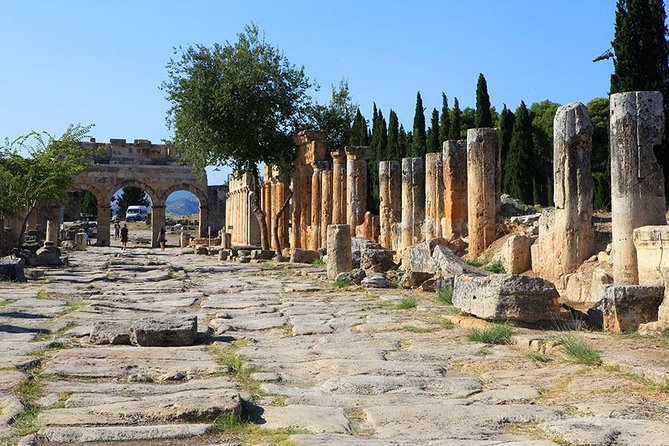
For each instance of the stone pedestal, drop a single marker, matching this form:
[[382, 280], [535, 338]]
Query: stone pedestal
[[484, 188], [183, 240], [157, 222], [637, 180], [390, 206], [413, 201], [338, 187], [356, 184], [455, 189], [567, 234], [434, 195], [652, 249], [339, 250], [80, 241], [51, 232]]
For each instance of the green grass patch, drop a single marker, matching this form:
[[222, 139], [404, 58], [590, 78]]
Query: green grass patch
[[28, 392], [445, 297], [578, 350], [317, 262], [493, 334], [342, 283], [445, 323], [43, 294], [407, 303], [291, 271], [495, 267], [414, 329], [475, 262], [75, 305], [267, 265], [240, 371], [538, 357]]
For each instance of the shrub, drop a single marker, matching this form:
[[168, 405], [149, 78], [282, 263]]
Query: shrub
[[407, 303], [493, 334], [577, 349]]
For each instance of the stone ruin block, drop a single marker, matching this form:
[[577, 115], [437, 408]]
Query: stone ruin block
[[625, 307], [502, 297], [304, 256], [652, 247], [586, 287], [514, 252], [339, 250]]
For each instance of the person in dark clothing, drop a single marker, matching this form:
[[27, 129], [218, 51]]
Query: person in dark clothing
[[162, 238], [124, 236]]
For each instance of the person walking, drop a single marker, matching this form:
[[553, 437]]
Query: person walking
[[162, 238], [117, 230], [124, 236]]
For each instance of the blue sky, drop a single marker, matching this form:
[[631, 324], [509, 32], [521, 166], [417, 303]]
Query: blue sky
[[102, 62]]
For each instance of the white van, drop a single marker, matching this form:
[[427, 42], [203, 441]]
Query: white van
[[137, 213]]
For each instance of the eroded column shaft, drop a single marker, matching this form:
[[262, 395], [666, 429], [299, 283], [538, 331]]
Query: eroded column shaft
[[434, 195], [390, 200], [413, 201], [455, 188]]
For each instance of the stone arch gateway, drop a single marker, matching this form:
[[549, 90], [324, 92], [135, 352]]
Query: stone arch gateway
[[154, 168]]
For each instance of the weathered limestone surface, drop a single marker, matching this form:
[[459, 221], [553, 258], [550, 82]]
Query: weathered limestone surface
[[652, 247], [513, 251], [314, 236], [356, 184], [455, 188], [483, 187], [567, 234], [369, 228], [390, 206], [434, 195], [504, 297], [240, 220], [413, 201], [339, 194], [339, 250], [625, 307], [326, 205], [637, 180]]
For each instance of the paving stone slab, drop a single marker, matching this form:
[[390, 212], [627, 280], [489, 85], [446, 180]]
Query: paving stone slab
[[609, 431], [77, 435], [312, 418]]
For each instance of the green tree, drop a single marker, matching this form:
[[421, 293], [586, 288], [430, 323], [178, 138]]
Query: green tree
[[335, 118], [542, 115], [359, 135], [89, 204], [445, 123], [641, 61], [517, 182], [467, 121], [456, 114], [404, 142], [418, 144], [238, 104], [394, 151], [130, 196], [483, 115], [379, 148], [433, 133], [600, 160], [43, 176], [506, 120]]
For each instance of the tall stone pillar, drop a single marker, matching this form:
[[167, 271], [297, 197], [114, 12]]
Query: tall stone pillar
[[390, 200], [326, 204], [279, 197], [637, 180], [338, 187], [52, 231], [356, 185], [566, 234], [104, 224], [413, 201], [339, 250], [158, 221], [266, 202], [483, 187], [316, 199], [434, 195], [204, 218], [455, 188]]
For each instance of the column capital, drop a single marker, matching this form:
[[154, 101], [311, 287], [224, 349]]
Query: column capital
[[338, 156], [320, 165]]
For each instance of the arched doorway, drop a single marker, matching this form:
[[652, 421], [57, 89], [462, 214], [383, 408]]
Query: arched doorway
[[131, 205], [182, 214], [192, 193]]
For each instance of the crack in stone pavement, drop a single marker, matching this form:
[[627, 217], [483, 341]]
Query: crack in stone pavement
[[317, 365]]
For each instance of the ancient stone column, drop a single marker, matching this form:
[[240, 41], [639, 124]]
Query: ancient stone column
[[434, 195], [326, 204], [339, 250], [390, 200], [278, 200], [338, 186], [637, 180], [104, 225], [157, 222], [51, 232], [314, 237], [483, 187], [455, 188], [356, 185], [567, 237], [413, 201]]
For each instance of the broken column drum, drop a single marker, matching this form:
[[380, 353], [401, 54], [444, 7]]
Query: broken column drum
[[434, 195], [413, 201], [356, 185], [567, 236], [390, 200], [455, 188], [637, 180], [339, 250], [483, 186]]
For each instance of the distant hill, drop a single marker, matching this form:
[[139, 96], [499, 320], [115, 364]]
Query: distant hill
[[182, 206]]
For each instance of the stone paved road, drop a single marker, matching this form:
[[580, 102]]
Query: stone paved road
[[308, 364]]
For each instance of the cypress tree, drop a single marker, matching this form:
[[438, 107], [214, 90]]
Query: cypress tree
[[445, 124], [506, 120], [641, 60], [455, 120], [418, 144], [378, 148], [394, 151], [483, 115], [433, 132], [517, 176], [403, 142], [359, 135]]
